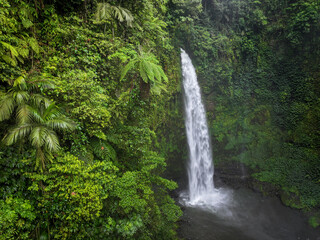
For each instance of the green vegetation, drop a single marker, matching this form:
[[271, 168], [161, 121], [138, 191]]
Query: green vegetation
[[84, 89], [90, 108]]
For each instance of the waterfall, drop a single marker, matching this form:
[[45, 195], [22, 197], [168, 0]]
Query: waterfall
[[200, 168]]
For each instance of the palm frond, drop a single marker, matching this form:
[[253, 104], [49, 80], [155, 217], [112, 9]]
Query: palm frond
[[38, 99], [41, 136], [36, 114], [51, 112], [24, 114], [61, 123], [51, 141], [17, 133], [20, 96], [118, 13], [7, 105], [37, 136]]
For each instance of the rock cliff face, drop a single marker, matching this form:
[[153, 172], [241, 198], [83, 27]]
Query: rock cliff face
[[238, 175], [233, 174]]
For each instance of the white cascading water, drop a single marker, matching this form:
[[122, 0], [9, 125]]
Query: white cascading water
[[200, 170]]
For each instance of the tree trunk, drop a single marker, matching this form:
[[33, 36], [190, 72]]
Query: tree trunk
[[144, 90]]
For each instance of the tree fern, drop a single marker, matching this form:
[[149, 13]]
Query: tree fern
[[102, 149], [149, 70], [106, 11]]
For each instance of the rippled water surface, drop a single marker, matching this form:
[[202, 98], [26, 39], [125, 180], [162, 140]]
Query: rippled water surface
[[243, 215]]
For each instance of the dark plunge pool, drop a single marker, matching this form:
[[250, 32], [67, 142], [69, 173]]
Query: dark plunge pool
[[245, 215]]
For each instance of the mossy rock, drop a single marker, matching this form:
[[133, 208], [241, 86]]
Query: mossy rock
[[314, 221], [290, 199], [267, 189]]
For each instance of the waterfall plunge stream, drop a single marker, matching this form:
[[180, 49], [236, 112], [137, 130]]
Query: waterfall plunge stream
[[200, 169]]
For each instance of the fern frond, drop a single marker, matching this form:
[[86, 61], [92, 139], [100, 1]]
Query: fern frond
[[45, 84], [33, 43], [126, 14], [127, 68], [163, 75], [8, 59], [24, 52], [157, 88], [27, 23], [19, 81], [12, 49], [20, 59], [103, 149], [113, 138], [118, 14], [143, 73], [103, 11], [106, 11], [157, 73], [149, 70]]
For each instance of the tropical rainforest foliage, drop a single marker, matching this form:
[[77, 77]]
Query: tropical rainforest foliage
[[90, 108], [84, 88]]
